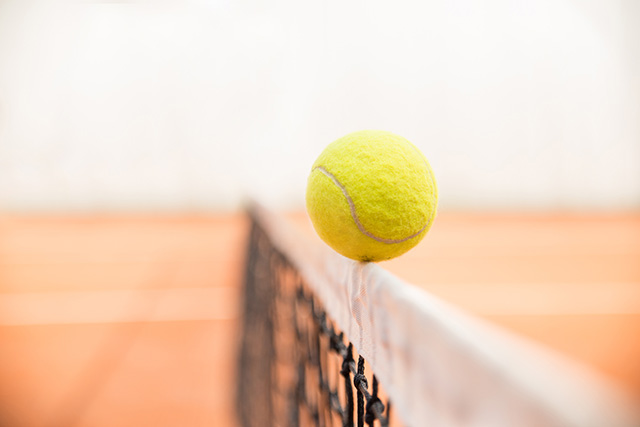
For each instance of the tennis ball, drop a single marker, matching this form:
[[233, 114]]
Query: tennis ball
[[371, 195]]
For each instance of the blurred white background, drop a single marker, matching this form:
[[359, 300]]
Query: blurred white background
[[193, 105]]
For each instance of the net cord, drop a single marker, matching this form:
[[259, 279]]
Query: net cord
[[439, 364]]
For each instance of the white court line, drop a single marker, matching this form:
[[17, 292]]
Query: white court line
[[545, 299], [220, 303], [112, 306]]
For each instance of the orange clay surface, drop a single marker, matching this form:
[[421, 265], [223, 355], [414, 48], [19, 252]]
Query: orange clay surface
[[117, 321]]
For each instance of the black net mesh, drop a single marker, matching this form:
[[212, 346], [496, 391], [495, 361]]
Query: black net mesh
[[296, 368]]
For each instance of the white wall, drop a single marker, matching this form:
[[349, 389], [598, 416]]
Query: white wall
[[194, 105]]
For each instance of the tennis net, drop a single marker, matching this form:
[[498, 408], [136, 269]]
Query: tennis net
[[327, 341]]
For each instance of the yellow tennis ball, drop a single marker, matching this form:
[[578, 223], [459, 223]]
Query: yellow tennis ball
[[371, 195]]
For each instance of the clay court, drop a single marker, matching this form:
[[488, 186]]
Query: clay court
[[134, 320]]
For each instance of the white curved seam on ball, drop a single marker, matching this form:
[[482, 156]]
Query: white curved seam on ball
[[352, 207]]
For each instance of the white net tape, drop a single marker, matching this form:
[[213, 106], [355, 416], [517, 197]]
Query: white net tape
[[440, 365]]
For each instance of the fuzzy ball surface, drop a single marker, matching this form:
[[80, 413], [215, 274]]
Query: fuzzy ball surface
[[371, 195]]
